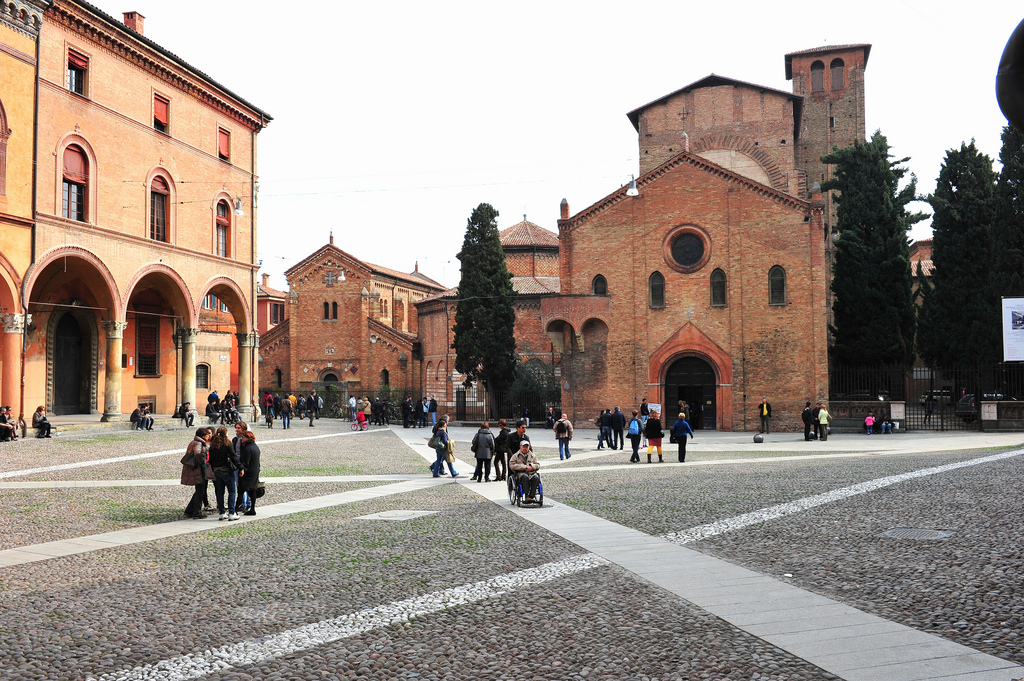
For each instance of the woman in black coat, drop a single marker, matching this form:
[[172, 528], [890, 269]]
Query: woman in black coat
[[249, 476], [654, 434]]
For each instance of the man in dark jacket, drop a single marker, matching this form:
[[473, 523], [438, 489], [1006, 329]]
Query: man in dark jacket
[[618, 423], [605, 423], [433, 411], [406, 412], [806, 417], [516, 437]]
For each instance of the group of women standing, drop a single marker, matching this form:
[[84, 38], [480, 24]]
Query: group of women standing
[[233, 466]]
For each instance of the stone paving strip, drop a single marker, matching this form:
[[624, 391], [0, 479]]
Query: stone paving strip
[[46, 551], [254, 651], [150, 455], [172, 482], [842, 640]]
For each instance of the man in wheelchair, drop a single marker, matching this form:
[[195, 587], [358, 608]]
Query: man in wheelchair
[[525, 465]]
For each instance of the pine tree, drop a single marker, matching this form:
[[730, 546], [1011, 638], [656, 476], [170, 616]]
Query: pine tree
[[485, 344], [958, 315], [873, 305]]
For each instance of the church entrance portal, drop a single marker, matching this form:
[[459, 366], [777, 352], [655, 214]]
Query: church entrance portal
[[692, 380]]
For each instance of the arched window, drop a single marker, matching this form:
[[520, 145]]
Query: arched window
[[718, 288], [330, 378], [776, 286], [223, 228], [202, 377], [327, 310], [838, 76], [4, 134], [599, 286], [158, 205], [385, 377], [817, 76], [656, 286], [278, 378], [76, 183], [334, 310]]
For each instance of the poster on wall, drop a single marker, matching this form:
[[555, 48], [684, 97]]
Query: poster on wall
[[1013, 329]]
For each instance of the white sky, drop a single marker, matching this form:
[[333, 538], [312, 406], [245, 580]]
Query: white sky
[[393, 120]]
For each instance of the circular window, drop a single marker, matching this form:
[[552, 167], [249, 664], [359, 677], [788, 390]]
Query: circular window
[[687, 249]]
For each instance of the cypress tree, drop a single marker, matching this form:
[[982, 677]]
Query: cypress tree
[[958, 315], [873, 307], [1007, 276], [484, 332]]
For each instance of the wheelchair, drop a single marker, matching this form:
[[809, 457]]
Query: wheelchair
[[515, 491]]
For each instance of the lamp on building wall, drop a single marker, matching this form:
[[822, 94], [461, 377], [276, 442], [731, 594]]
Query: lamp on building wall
[[632, 191], [238, 207]]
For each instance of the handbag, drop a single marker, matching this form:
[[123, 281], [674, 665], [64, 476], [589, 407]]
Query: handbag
[[259, 491], [435, 441], [672, 438], [189, 459]]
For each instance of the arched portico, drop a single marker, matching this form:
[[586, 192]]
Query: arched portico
[[226, 331], [70, 293]]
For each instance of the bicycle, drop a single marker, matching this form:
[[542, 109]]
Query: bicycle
[[364, 425]]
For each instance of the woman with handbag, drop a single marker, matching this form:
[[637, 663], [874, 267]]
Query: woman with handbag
[[195, 471], [445, 449], [249, 476], [225, 464], [483, 448]]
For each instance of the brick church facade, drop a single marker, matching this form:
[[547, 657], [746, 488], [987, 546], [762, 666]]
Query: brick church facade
[[709, 283]]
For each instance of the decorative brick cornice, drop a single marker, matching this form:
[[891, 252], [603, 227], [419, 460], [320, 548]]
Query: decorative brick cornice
[[698, 162], [24, 17], [138, 52]]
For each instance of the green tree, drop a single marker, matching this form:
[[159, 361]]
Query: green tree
[[873, 305], [1007, 275], [484, 342], [958, 314]]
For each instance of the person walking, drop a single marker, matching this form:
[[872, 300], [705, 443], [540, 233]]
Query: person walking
[[225, 464], [313, 407], [679, 431], [483, 447], [807, 416], [352, 408], [195, 471], [249, 476], [501, 451], [636, 433], [286, 413], [433, 411], [764, 410], [618, 424], [441, 441], [563, 433], [654, 435], [823, 419]]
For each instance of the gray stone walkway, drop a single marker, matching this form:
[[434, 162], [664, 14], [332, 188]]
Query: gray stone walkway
[[842, 640]]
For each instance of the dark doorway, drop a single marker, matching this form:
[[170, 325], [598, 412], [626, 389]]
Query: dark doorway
[[692, 380], [68, 348]]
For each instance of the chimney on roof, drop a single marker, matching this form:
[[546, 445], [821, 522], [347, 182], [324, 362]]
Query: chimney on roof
[[565, 209], [266, 278], [332, 237], [686, 142], [133, 20]]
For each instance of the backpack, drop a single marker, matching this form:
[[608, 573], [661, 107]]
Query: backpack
[[634, 427], [319, 402], [560, 429]]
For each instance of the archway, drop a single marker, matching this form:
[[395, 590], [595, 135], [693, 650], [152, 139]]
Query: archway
[[226, 335], [694, 381], [71, 385]]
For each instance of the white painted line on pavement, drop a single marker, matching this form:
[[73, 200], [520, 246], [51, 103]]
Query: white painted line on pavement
[[773, 512], [254, 651], [149, 455]]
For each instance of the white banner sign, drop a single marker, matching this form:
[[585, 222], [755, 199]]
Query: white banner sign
[[1013, 329]]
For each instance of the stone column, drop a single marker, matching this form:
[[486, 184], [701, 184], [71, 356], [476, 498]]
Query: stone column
[[112, 383], [10, 382], [246, 343], [187, 338]]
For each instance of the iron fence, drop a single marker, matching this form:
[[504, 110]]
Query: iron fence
[[472, 404]]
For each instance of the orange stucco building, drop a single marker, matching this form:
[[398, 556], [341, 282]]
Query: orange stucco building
[[143, 193]]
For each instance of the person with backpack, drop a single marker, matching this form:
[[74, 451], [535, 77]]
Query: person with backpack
[[563, 433], [635, 431]]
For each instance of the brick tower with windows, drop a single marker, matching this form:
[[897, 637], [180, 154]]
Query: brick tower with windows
[[831, 81]]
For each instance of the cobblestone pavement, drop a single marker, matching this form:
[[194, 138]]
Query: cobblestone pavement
[[113, 611]]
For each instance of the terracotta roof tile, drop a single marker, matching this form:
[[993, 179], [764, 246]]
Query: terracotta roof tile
[[536, 285], [527, 234], [262, 290]]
